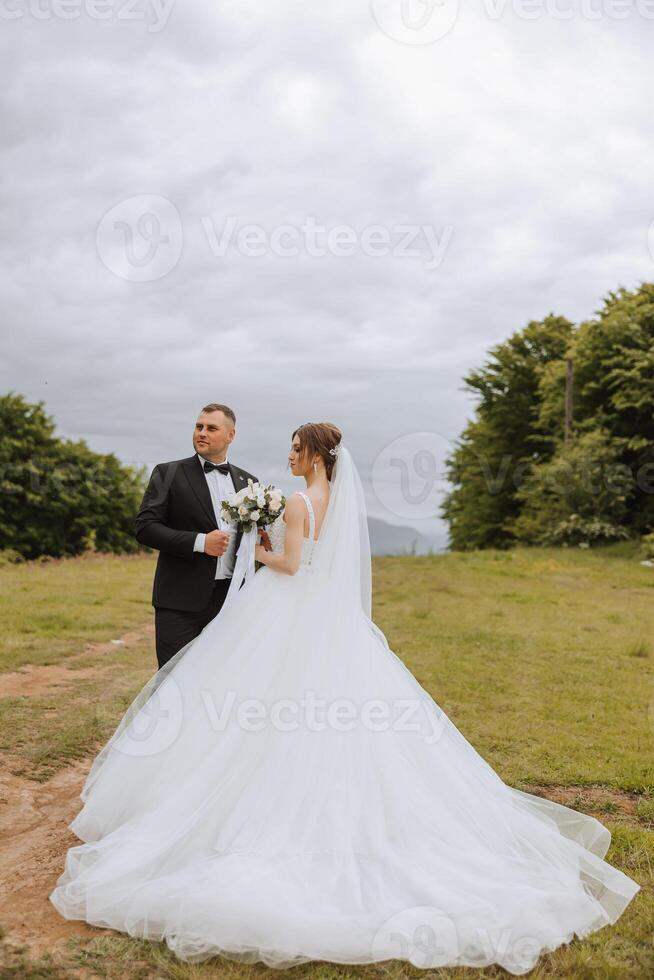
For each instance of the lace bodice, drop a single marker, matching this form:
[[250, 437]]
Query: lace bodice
[[277, 533]]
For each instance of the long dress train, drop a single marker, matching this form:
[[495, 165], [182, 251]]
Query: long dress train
[[286, 791]]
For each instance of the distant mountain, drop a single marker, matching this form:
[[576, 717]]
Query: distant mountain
[[389, 539]]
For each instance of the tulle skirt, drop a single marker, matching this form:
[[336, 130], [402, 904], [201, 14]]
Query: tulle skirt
[[285, 790]]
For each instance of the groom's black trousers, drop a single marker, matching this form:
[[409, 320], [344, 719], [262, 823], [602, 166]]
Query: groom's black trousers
[[175, 628]]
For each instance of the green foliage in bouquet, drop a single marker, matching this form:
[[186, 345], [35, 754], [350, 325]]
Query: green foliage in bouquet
[[253, 506]]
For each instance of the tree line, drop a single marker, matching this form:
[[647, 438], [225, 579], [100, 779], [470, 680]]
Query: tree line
[[519, 475], [57, 497]]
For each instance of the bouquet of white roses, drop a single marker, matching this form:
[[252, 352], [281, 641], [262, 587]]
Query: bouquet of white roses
[[253, 506]]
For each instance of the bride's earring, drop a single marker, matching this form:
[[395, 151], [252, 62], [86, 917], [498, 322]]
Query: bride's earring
[[315, 467]]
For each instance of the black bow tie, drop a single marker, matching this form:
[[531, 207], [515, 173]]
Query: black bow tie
[[221, 467]]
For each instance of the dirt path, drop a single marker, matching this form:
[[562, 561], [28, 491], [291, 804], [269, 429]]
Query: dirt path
[[593, 800], [33, 681], [34, 817], [34, 838]]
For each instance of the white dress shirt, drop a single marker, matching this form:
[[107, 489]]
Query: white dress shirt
[[220, 487]]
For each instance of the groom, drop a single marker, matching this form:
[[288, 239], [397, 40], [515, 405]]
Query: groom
[[180, 516]]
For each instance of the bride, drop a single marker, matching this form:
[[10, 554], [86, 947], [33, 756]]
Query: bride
[[284, 790]]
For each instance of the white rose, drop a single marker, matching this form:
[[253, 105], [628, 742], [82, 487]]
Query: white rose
[[274, 506], [254, 516], [242, 511]]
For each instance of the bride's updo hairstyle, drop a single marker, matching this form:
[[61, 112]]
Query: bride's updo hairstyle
[[320, 438]]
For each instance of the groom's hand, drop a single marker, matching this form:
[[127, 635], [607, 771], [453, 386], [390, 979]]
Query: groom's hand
[[216, 543]]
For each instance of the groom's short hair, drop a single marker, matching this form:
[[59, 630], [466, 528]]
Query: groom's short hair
[[215, 407]]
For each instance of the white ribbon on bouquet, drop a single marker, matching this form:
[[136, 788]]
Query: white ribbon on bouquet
[[243, 566]]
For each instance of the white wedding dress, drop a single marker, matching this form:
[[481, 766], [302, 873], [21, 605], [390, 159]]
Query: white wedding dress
[[284, 790]]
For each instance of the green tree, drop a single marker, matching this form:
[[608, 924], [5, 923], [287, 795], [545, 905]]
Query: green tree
[[614, 389], [57, 497], [581, 496], [517, 434], [613, 356], [506, 439]]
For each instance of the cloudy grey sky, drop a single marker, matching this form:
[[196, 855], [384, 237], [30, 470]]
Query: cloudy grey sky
[[309, 211]]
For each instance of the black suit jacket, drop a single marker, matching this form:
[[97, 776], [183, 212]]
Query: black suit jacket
[[176, 507]]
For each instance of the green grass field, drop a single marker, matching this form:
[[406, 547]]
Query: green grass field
[[544, 659], [50, 609]]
